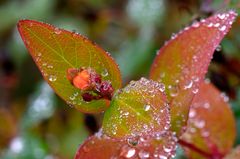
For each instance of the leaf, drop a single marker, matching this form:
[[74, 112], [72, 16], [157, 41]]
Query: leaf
[[182, 62], [211, 125], [140, 108], [101, 146], [55, 51], [234, 154]]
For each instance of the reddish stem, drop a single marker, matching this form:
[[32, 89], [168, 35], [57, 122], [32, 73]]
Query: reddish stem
[[196, 149]]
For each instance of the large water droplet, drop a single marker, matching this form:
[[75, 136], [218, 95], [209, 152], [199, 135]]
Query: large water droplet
[[162, 157], [192, 113], [57, 31], [188, 85], [221, 16], [173, 90], [196, 24], [104, 72], [167, 149], [223, 28], [52, 78], [127, 151], [219, 48], [143, 154], [147, 107]]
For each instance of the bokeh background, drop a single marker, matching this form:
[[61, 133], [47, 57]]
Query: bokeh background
[[35, 123]]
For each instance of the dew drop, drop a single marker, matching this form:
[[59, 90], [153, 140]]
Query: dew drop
[[133, 141], [200, 124], [147, 107], [52, 78], [162, 157], [86, 149], [210, 25], [216, 25], [50, 66], [166, 149], [206, 105], [192, 113], [188, 85], [127, 151], [195, 90], [196, 24], [221, 16], [104, 72], [143, 154], [223, 28], [57, 31], [173, 90], [225, 97], [72, 97]]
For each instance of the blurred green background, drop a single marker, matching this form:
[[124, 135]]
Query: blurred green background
[[35, 123]]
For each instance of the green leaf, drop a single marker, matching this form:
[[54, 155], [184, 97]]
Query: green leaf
[[55, 51], [182, 62], [140, 108], [211, 125]]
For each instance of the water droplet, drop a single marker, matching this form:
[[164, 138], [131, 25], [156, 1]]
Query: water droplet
[[188, 85], [223, 28], [72, 97], [173, 90], [86, 149], [44, 64], [206, 105], [192, 113], [147, 107], [52, 78], [162, 157], [104, 72], [50, 66], [199, 123], [225, 97], [166, 149], [216, 25], [210, 25], [221, 16], [143, 154], [196, 24], [127, 151], [161, 87], [195, 90], [39, 54], [133, 141], [57, 31]]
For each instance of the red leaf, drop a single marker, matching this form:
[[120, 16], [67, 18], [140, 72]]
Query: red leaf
[[211, 125], [56, 51], [152, 146], [182, 63]]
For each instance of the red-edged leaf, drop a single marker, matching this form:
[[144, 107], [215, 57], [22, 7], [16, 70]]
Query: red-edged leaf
[[140, 108], [182, 63], [55, 51], [211, 125], [153, 146], [234, 154]]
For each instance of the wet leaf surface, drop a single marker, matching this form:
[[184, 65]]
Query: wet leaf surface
[[211, 125], [140, 108], [182, 62], [55, 51], [100, 146]]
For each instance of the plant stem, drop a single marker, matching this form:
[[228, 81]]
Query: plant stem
[[196, 149]]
